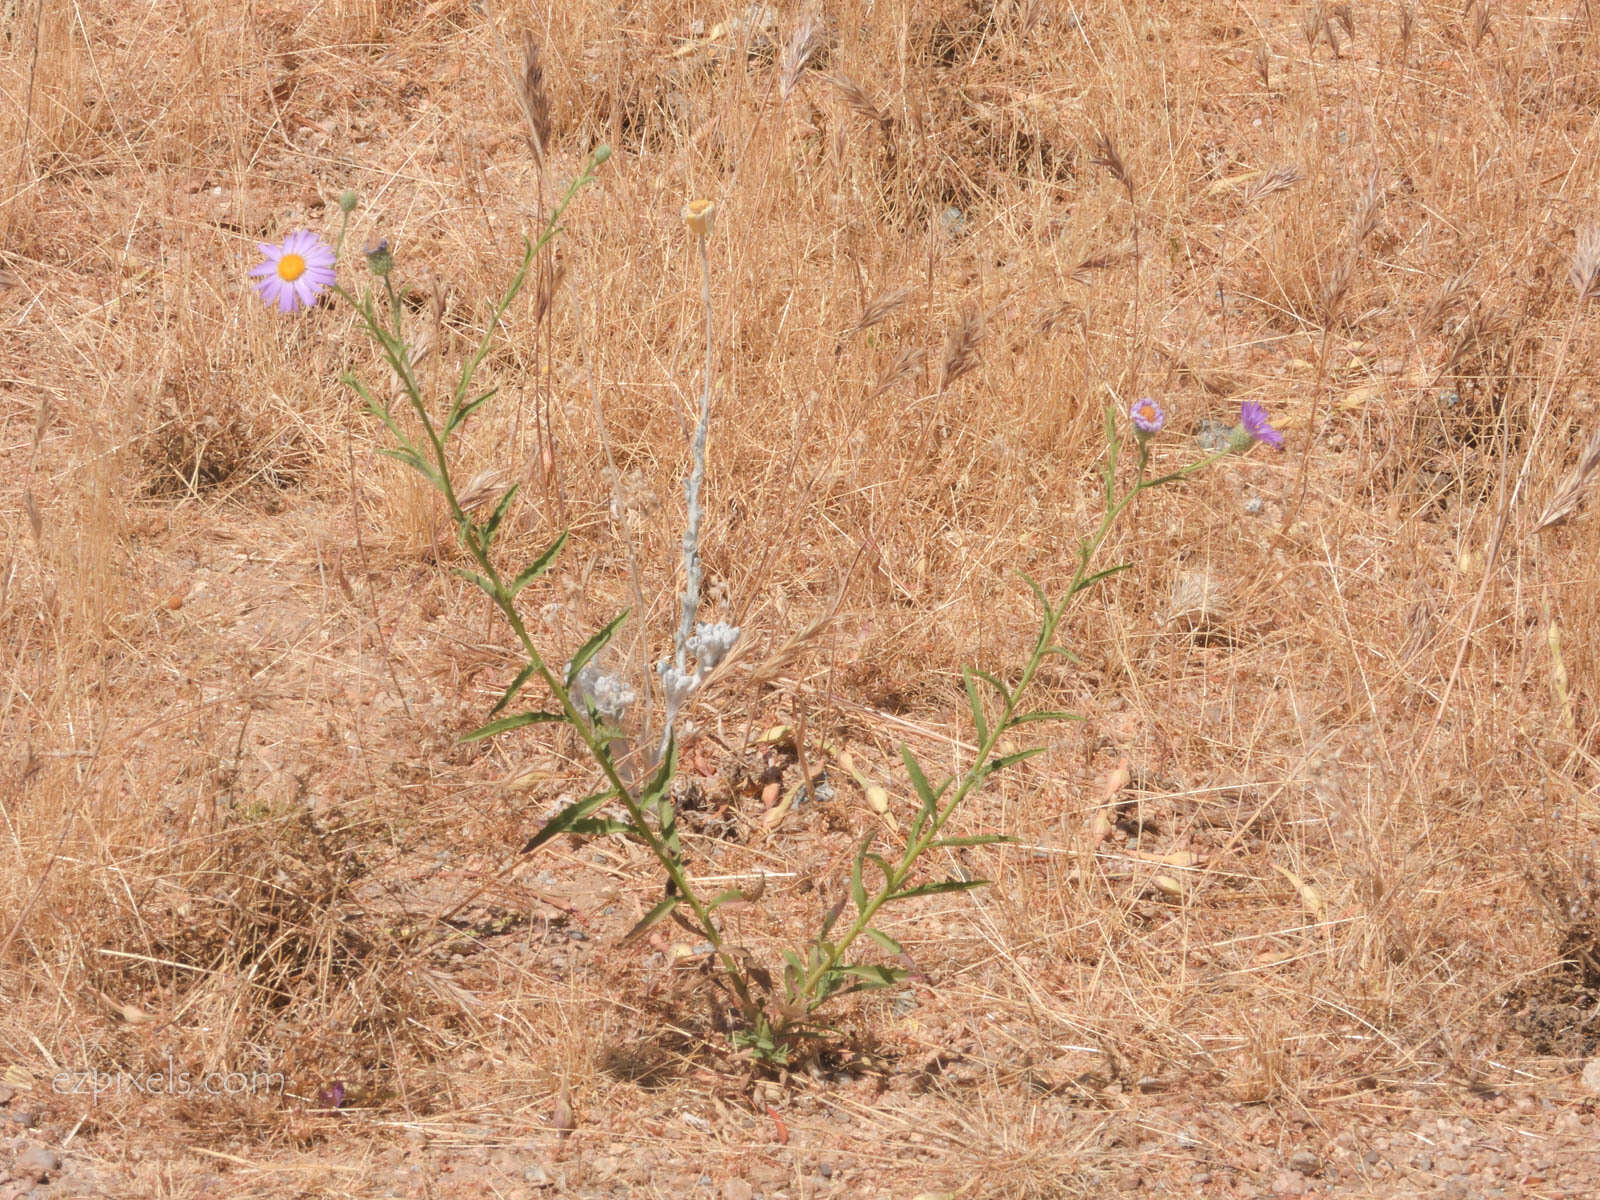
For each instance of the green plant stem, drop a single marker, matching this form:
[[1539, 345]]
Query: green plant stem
[[979, 771], [503, 598]]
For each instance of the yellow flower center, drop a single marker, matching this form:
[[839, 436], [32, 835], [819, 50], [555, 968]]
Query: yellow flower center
[[291, 267], [1147, 411]]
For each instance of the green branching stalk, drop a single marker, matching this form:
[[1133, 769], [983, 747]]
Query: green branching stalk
[[824, 975], [649, 816]]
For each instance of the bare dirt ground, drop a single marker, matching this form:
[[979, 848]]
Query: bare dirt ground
[[1304, 905]]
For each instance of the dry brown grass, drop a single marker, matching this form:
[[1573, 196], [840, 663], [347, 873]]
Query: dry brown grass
[[1346, 869]]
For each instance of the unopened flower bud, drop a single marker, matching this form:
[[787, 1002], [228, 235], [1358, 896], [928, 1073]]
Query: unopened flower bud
[[348, 201], [379, 260]]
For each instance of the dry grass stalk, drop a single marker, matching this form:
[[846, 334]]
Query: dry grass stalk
[[1362, 223], [1111, 256], [533, 98], [1408, 18], [1343, 14], [1449, 297], [1276, 180], [1107, 156], [961, 348], [906, 365], [1585, 273], [809, 37], [1478, 21], [879, 309], [1570, 492], [856, 98]]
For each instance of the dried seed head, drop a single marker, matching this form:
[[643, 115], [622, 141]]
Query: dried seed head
[[1570, 492], [1264, 64], [878, 309], [809, 37], [961, 348], [1106, 156], [903, 368], [1408, 18], [700, 216], [1585, 272], [533, 97], [1276, 180], [856, 98]]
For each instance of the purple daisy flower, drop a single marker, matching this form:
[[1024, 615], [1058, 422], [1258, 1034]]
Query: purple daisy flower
[[1253, 420], [296, 272], [1147, 416]]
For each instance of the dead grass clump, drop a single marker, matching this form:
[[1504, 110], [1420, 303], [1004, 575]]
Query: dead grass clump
[[1558, 1010]]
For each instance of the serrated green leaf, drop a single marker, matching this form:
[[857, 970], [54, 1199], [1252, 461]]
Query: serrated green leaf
[[578, 810], [515, 686], [884, 940], [508, 723], [935, 889], [593, 646], [539, 566], [650, 918]]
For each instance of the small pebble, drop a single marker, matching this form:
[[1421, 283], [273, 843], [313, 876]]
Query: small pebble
[[35, 1163]]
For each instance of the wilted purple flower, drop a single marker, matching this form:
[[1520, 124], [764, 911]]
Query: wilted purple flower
[[296, 272], [1147, 416], [332, 1095], [1253, 421]]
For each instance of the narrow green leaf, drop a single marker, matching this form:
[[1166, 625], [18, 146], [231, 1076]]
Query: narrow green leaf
[[564, 820], [599, 827], [593, 646], [832, 919], [650, 918], [1038, 592], [975, 703], [460, 415], [1062, 651], [1009, 760], [858, 889], [883, 865], [935, 889], [1089, 581], [884, 940], [977, 839], [474, 577], [516, 722], [413, 460], [1044, 715], [873, 976], [499, 514], [925, 792], [516, 686], [1005, 692], [540, 565]]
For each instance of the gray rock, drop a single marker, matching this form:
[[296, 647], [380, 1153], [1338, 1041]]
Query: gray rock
[[36, 1163]]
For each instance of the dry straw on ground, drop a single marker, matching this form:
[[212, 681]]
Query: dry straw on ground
[[1342, 898]]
